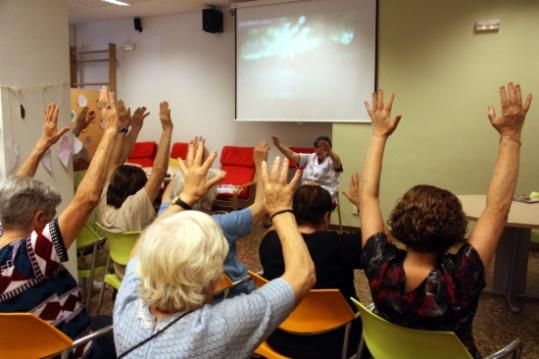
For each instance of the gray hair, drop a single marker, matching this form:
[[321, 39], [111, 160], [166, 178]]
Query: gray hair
[[21, 198], [205, 204]]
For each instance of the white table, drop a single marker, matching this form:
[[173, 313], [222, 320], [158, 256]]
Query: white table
[[511, 263]]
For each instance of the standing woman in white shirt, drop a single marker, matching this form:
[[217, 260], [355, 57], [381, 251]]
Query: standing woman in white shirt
[[322, 168]]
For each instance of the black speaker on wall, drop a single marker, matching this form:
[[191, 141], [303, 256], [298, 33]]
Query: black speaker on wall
[[137, 22], [212, 21]]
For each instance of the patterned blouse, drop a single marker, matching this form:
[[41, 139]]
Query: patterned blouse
[[446, 299]]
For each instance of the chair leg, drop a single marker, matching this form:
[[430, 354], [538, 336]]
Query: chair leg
[[102, 290], [344, 353], [91, 276], [360, 348]]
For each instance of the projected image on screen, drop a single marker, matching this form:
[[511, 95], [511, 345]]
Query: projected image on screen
[[314, 64]]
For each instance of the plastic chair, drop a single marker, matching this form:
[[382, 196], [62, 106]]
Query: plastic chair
[[87, 238], [321, 311], [23, 335], [120, 247], [386, 340]]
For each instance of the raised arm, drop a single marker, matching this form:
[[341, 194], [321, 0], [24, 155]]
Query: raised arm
[[160, 163], [124, 118], [137, 120], [89, 190], [260, 154], [287, 152], [337, 164], [49, 136], [196, 184], [299, 268], [486, 234], [382, 127]]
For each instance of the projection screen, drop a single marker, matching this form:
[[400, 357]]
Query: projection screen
[[305, 61]]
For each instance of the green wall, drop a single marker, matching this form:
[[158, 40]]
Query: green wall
[[444, 76]]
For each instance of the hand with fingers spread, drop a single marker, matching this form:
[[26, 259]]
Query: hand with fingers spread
[[278, 193], [51, 134], [509, 124], [82, 121], [137, 120], [354, 189], [382, 123], [107, 106], [195, 172], [124, 115], [164, 116]]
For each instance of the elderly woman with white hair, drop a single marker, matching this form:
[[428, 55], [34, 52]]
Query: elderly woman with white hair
[[163, 308], [235, 224]]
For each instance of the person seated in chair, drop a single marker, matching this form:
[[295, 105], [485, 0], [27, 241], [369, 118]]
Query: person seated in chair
[[235, 224], [164, 306], [424, 286], [323, 167], [335, 255], [35, 241], [127, 200]]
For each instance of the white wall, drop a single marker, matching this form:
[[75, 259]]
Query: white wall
[[194, 70], [34, 51]]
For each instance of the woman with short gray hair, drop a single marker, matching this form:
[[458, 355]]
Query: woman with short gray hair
[[34, 243]]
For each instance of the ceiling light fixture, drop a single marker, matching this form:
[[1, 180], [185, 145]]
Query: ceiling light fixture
[[116, 2]]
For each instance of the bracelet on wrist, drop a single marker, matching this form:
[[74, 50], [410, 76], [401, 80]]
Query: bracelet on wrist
[[182, 204], [512, 138], [123, 129], [288, 210]]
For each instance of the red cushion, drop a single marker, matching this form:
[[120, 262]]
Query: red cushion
[[293, 164], [237, 156], [237, 175], [179, 150], [144, 150]]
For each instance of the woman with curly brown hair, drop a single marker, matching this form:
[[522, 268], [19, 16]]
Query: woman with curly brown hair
[[423, 286]]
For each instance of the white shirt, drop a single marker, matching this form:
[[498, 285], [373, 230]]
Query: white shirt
[[323, 174], [135, 214]]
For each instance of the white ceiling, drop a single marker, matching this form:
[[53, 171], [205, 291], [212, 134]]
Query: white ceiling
[[81, 11]]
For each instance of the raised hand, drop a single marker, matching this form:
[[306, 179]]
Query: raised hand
[[382, 123], [107, 105], [354, 189], [124, 115], [164, 116], [513, 111], [195, 171], [82, 121], [51, 134], [260, 152], [275, 140], [324, 146], [137, 120], [277, 192]]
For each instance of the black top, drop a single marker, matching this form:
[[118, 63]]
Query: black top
[[446, 299], [335, 256]]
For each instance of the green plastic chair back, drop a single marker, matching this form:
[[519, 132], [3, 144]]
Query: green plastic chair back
[[87, 236], [386, 340], [120, 244]]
